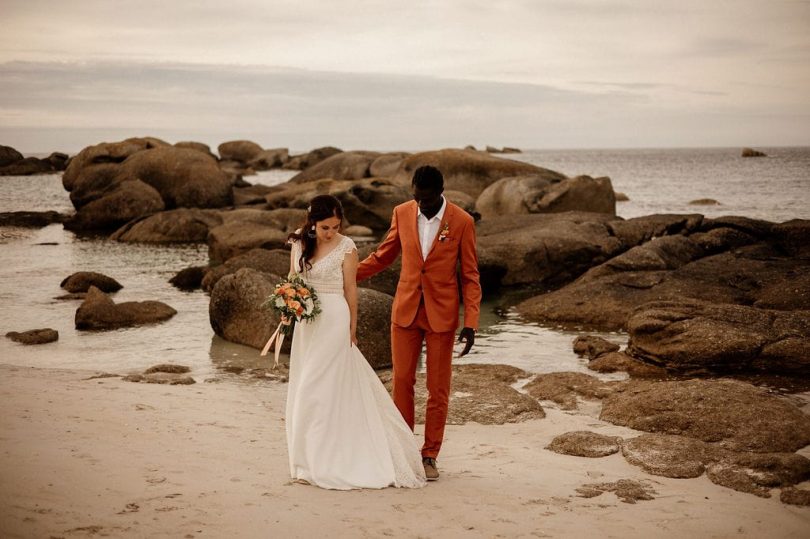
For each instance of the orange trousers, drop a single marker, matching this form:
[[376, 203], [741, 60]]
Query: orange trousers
[[406, 346]]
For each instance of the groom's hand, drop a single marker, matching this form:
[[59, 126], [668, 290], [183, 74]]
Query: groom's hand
[[468, 335]]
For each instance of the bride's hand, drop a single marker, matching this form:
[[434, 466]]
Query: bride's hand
[[354, 339]]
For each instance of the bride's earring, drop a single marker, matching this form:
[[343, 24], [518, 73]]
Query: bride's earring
[[311, 233]]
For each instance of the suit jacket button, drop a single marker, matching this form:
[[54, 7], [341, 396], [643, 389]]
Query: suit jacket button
[[423, 271]]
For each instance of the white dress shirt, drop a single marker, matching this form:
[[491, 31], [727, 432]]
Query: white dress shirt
[[428, 228]]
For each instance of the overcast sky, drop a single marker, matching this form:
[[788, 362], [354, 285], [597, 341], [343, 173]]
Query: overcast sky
[[406, 75]]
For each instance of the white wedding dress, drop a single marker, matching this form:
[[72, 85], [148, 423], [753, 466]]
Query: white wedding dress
[[343, 429]]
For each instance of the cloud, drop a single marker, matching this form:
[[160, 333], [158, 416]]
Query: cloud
[[545, 72], [71, 105]]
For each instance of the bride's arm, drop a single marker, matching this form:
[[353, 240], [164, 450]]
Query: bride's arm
[[292, 258], [350, 289]]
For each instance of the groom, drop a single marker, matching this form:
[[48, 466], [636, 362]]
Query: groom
[[434, 237]]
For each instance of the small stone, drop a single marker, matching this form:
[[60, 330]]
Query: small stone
[[795, 496], [704, 202], [592, 346], [81, 281], [168, 368], [34, 336], [585, 444]]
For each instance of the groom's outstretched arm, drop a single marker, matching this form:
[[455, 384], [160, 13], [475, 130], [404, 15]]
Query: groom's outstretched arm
[[385, 254]]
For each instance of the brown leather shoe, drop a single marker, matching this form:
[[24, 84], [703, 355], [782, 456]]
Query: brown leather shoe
[[431, 471]]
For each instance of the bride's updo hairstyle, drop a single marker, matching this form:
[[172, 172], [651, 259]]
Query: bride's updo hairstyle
[[321, 207]]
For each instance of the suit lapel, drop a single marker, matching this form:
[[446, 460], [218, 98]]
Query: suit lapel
[[413, 216], [448, 215]]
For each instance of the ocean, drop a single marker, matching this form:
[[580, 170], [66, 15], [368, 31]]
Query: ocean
[[34, 262]]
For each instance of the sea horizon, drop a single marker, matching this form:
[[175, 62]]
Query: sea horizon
[[44, 153]]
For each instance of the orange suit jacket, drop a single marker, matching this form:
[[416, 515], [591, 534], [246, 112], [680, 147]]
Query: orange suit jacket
[[434, 277]]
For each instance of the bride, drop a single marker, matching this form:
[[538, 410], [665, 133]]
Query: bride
[[343, 430]]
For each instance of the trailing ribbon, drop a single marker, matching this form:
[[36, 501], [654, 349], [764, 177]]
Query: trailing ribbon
[[278, 339]]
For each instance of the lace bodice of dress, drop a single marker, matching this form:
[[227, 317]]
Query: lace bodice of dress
[[326, 274]]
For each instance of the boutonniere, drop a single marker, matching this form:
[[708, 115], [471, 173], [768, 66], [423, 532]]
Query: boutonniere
[[445, 230]]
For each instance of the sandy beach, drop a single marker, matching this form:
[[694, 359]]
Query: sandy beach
[[89, 456]]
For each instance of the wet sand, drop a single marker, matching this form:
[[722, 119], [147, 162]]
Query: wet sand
[[104, 457]]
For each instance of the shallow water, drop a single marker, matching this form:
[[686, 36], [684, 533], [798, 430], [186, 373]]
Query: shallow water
[[34, 262], [29, 282], [774, 188]]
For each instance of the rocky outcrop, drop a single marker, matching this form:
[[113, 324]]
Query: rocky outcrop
[[27, 166], [704, 202], [9, 155], [793, 237], [341, 166], [563, 388], [585, 444], [304, 161], [512, 195], [683, 457], [126, 201], [733, 415], [199, 146], [235, 310], [30, 219], [245, 229], [99, 312], [369, 202], [464, 201], [237, 315], [480, 393], [386, 164], [34, 336], [543, 249], [269, 159], [163, 374], [674, 456], [632, 232], [538, 194], [758, 473], [112, 183], [795, 496], [106, 153], [592, 346], [184, 178], [189, 278], [13, 163], [252, 194], [695, 336], [749, 152], [358, 231], [374, 326], [183, 225], [469, 171], [275, 261], [729, 260], [506, 149], [242, 151], [81, 281], [386, 281], [621, 362]]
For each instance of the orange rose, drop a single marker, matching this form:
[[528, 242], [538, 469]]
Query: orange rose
[[303, 292]]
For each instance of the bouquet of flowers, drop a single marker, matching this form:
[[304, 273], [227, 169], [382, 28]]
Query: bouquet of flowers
[[292, 299]]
